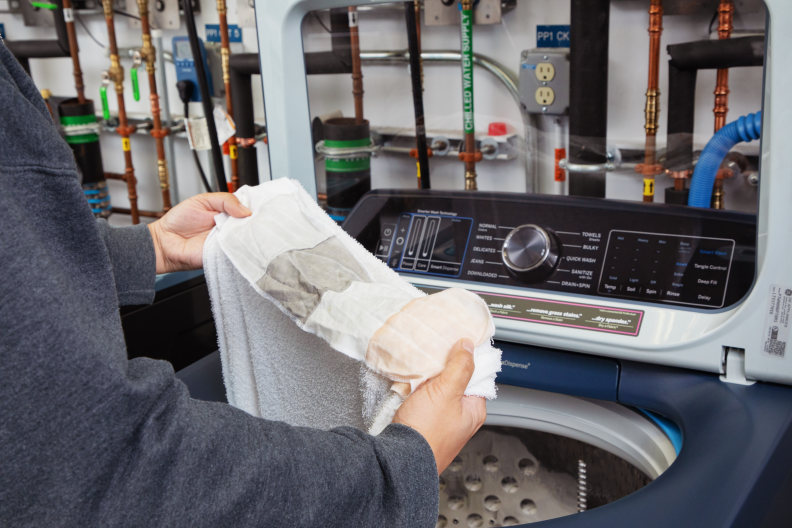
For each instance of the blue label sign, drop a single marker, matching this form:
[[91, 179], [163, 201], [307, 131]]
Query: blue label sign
[[552, 36], [213, 33], [2, 31]]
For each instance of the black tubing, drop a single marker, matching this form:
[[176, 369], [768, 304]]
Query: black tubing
[[339, 60], [588, 93], [241, 67], [718, 54], [686, 59], [203, 85], [417, 90], [681, 112]]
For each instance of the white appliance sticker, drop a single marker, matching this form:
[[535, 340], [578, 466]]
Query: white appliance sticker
[[776, 325]]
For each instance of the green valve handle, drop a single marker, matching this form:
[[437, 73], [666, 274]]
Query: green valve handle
[[44, 5], [105, 106], [135, 86]]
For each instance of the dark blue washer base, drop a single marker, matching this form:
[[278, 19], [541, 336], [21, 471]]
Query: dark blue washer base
[[735, 467]]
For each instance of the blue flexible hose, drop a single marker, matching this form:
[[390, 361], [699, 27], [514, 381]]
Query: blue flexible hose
[[746, 128]]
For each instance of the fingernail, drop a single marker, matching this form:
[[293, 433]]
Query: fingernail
[[467, 344], [245, 209]]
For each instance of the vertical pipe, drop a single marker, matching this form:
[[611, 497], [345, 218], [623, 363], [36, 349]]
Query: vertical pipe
[[74, 50], [417, 90], [116, 75], [588, 93], [649, 168], [206, 99], [725, 25], [357, 74], [470, 156], [225, 54], [166, 115], [149, 55]]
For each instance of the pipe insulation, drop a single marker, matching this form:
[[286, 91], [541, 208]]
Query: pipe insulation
[[417, 91], [588, 93], [746, 128]]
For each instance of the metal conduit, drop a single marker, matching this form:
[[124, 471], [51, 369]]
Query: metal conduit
[[504, 75], [508, 78]]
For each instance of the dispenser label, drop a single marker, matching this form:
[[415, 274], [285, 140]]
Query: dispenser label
[[557, 313], [556, 36], [776, 333]]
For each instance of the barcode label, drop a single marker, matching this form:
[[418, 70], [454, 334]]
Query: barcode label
[[776, 333]]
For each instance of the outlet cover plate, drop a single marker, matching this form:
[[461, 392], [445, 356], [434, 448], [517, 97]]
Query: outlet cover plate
[[530, 84]]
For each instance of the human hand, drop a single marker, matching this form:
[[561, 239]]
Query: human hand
[[441, 412], [179, 236]]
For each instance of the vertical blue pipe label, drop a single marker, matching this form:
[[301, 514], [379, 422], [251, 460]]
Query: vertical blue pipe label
[[2, 31], [213, 33], [556, 36]]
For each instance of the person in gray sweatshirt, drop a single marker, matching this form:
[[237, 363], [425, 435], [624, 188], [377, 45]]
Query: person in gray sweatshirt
[[89, 438]]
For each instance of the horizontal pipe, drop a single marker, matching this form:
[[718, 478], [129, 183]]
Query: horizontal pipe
[[503, 74], [718, 54]]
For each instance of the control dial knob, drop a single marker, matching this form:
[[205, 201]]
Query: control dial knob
[[531, 253]]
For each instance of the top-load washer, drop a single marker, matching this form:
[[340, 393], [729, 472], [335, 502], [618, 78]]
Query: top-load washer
[[645, 380]]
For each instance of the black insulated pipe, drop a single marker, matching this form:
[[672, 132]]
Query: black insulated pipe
[[417, 90], [588, 93], [339, 60], [206, 99], [242, 66], [686, 60], [23, 50]]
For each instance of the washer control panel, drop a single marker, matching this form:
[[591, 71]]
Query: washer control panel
[[653, 253]]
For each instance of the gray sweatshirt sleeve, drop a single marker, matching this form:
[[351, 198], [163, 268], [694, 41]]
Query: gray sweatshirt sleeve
[[133, 261], [88, 438]]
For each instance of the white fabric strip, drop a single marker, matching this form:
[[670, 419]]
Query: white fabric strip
[[348, 319]]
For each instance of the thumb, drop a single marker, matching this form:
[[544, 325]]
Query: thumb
[[459, 369], [226, 203]]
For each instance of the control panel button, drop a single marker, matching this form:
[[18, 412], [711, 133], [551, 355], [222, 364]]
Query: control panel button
[[530, 253]]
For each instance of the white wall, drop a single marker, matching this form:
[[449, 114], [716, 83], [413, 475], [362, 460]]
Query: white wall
[[388, 99]]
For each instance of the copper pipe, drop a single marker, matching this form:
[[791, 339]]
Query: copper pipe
[[149, 56], [46, 94], [225, 54], [116, 75], [68, 15], [357, 74], [725, 26], [650, 168]]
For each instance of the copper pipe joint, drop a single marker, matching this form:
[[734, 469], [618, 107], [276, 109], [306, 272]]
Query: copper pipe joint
[[652, 111], [221, 7], [470, 181], [126, 131]]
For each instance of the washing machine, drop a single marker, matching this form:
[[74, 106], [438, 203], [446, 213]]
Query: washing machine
[[644, 378]]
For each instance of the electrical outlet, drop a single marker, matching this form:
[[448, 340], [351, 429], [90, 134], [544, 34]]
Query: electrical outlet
[[545, 96], [544, 81], [545, 71]]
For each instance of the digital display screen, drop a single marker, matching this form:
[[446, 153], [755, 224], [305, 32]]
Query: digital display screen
[[183, 50], [425, 243]]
